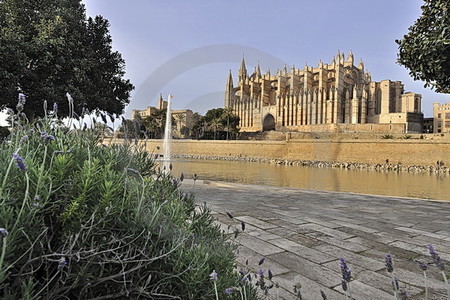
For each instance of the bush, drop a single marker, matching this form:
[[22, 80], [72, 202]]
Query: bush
[[4, 132], [80, 220], [387, 136]]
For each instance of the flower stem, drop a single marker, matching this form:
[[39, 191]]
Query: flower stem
[[215, 289], [426, 284], [446, 284], [2, 257]]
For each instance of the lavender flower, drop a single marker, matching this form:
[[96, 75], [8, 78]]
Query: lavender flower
[[322, 293], [423, 266], [270, 275], [181, 177], [55, 108], [242, 225], [3, 232], [388, 263], [47, 137], [229, 291], [19, 162], [436, 258], [62, 262], [213, 275], [344, 285], [229, 214], [395, 283], [261, 261], [345, 271], [261, 273]]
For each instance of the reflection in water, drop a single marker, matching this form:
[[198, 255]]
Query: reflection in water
[[423, 185]]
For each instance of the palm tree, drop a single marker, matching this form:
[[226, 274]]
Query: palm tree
[[227, 113], [216, 123]]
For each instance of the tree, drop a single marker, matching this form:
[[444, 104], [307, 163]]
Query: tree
[[227, 114], [49, 48], [214, 120], [425, 49], [216, 124]]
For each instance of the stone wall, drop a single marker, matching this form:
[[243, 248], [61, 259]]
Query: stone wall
[[406, 152]]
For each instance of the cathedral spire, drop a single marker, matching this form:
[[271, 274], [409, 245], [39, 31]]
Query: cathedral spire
[[350, 58], [230, 80], [258, 71], [243, 71], [361, 65]]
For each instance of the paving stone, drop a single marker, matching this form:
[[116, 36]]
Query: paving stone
[[264, 235], [361, 290], [303, 251], [313, 271], [261, 247], [256, 222], [422, 232], [326, 230], [253, 258], [310, 289], [351, 257], [357, 227], [338, 242]]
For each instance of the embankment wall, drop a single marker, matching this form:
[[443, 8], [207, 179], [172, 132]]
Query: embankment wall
[[406, 152]]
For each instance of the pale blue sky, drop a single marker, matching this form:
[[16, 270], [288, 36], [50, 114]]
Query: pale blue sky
[[187, 48]]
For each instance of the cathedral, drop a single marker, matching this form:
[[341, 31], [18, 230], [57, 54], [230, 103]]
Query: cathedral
[[329, 97]]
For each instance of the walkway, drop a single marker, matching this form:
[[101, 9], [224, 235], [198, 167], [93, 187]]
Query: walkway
[[302, 234]]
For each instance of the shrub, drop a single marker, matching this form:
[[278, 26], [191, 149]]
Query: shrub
[[4, 132], [387, 136], [81, 220]]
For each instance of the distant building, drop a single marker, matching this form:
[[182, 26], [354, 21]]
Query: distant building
[[183, 117], [428, 125], [329, 97], [441, 114]]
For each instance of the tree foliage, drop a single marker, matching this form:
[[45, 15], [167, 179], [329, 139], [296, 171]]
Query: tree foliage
[[425, 49], [49, 48], [216, 123]]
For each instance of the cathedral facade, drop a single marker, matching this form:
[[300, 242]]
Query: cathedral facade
[[329, 94]]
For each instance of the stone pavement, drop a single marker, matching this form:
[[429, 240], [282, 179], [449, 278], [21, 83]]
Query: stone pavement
[[303, 233]]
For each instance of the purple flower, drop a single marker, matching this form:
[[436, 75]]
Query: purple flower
[[22, 98], [423, 266], [3, 232], [261, 273], [270, 275], [388, 263], [261, 261], [395, 283], [345, 271], [19, 162], [181, 177], [55, 107], [47, 137], [21, 103], [344, 285], [436, 258], [213, 275], [229, 291], [62, 262]]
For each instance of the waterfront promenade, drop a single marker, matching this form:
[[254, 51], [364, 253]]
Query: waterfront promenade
[[302, 234]]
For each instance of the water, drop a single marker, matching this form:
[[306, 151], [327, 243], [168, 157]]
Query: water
[[167, 135], [414, 185]]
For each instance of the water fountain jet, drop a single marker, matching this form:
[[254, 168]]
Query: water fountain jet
[[167, 136]]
